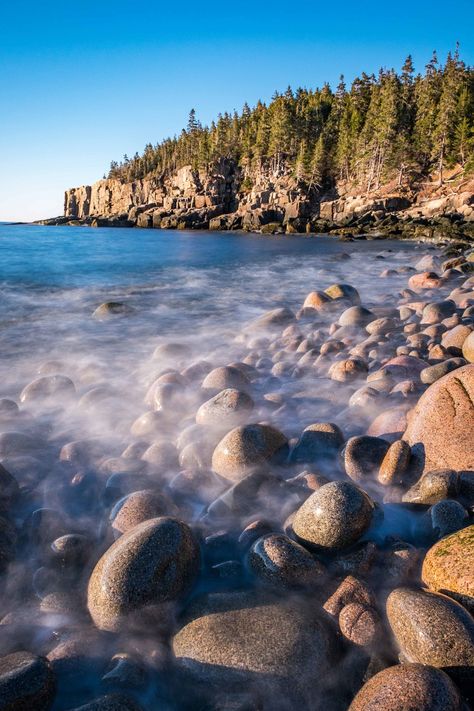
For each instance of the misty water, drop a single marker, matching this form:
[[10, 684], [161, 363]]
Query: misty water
[[198, 290]]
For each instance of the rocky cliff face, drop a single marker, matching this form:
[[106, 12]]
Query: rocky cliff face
[[267, 200]]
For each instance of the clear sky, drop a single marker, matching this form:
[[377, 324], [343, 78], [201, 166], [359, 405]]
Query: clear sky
[[83, 83]]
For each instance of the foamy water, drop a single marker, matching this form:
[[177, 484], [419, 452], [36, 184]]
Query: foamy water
[[195, 289]]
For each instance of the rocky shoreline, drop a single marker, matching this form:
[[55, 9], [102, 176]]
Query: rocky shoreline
[[270, 201], [288, 526]]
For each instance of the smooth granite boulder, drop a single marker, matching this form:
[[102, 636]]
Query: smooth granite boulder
[[431, 628], [448, 566], [335, 516], [408, 687], [153, 563], [245, 449], [27, 683], [441, 427], [280, 647]]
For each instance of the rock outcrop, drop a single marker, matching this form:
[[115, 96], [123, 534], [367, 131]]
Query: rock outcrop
[[266, 199]]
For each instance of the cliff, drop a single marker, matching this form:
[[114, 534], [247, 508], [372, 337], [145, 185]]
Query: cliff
[[272, 199]]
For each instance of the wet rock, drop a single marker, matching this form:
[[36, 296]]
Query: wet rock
[[245, 449], [167, 398], [49, 387], [437, 311], [359, 623], [344, 292], [148, 425], [335, 516], [316, 300], [395, 463], [272, 320], [153, 563], [162, 456], [71, 550], [277, 560], [112, 308], [26, 682], [321, 440], [431, 628], [347, 370], [363, 456], [274, 646], [430, 375], [408, 687], [425, 280], [174, 353], [8, 408], [441, 427], [456, 337], [140, 506], [447, 517], [381, 326], [227, 409], [433, 486], [390, 424], [224, 378], [356, 316], [448, 566], [468, 348], [350, 590]]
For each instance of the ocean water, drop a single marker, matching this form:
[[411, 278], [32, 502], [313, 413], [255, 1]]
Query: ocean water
[[198, 288], [195, 289]]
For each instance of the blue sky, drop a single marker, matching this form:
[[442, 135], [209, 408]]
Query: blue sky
[[83, 83]]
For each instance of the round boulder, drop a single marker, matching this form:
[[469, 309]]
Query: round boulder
[[26, 682], [227, 409], [226, 377], [363, 456], [154, 562], [468, 348], [441, 427], [316, 300], [112, 308], [408, 687], [245, 449], [139, 506], [335, 516], [239, 638], [343, 291], [279, 561], [448, 566], [48, 387], [431, 628]]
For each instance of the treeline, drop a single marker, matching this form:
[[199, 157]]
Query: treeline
[[393, 125]]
